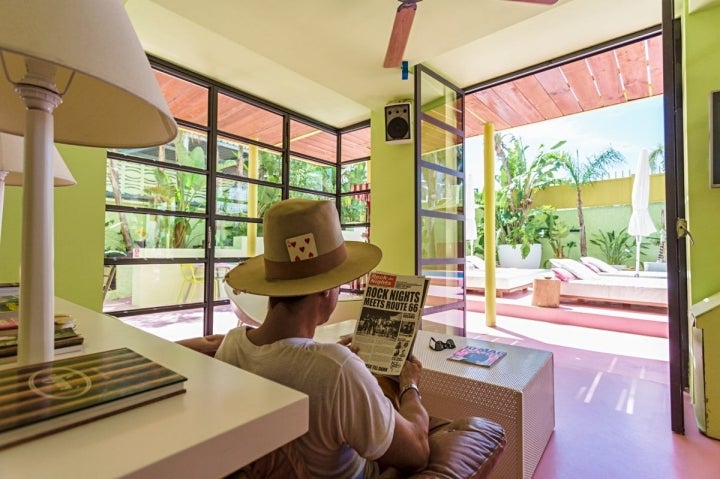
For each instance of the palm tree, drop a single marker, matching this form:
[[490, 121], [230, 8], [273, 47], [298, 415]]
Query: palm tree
[[657, 159], [586, 173]]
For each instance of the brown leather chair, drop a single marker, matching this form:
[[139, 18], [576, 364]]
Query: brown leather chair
[[462, 448]]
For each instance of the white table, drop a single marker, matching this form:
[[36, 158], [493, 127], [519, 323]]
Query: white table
[[517, 392], [227, 418]]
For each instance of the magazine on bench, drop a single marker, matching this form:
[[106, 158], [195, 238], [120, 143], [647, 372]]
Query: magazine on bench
[[389, 320], [477, 355]]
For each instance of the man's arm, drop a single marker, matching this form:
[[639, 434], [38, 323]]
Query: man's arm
[[409, 449]]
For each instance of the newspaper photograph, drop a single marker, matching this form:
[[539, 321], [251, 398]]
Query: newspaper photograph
[[389, 320]]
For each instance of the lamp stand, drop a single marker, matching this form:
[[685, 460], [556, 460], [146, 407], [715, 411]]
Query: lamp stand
[[36, 341]]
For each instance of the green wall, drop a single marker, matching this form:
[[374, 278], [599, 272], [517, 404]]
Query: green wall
[[79, 229], [701, 57], [393, 200]]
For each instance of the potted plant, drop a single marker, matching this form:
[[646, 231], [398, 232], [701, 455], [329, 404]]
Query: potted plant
[[557, 232], [615, 247], [520, 224]]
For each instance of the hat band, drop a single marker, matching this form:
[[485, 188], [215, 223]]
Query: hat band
[[305, 268]]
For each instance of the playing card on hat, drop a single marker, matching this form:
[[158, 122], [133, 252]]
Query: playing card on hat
[[301, 247]]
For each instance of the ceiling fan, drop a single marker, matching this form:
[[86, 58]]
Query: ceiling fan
[[403, 23]]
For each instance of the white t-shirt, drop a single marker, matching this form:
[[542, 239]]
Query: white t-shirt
[[350, 418]]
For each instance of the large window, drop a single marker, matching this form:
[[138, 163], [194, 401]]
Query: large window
[[180, 215]]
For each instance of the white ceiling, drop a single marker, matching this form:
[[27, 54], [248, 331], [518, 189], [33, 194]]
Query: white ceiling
[[323, 58]]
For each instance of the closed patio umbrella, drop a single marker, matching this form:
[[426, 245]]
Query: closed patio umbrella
[[640, 222]]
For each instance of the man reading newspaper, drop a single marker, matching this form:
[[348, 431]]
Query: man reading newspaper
[[354, 430]]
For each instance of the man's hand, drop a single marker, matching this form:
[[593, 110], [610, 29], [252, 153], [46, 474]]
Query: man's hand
[[410, 373], [346, 340]]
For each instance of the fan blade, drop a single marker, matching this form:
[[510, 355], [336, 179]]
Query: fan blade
[[400, 34]]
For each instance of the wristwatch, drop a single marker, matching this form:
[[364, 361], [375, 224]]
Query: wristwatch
[[406, 388]]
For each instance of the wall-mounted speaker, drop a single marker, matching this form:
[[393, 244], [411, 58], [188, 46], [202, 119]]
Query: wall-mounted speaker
[[398, 123]]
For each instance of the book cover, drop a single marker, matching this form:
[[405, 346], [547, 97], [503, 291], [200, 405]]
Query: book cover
[[9, 303], [64, 342], [43, 398], [9, 322], [477, 355]]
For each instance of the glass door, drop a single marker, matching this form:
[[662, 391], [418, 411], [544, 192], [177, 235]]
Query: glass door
[[440, 199]]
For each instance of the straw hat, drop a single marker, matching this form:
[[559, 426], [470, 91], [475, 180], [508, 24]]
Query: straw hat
[[304, 252]]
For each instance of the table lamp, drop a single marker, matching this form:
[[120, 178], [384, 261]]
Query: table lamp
[[11, 167], [74, 72]]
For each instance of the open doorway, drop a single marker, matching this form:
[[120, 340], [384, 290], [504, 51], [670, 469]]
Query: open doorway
[[551, 106]]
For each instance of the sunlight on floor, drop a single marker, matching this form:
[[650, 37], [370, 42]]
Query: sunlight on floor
[[610, 342]]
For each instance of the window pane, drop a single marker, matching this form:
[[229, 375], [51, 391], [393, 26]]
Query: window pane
[[153, 236], [312, 175], [441, 147], [446, 280], [355, 208], [258, 163], [310, 196], [249, 121], [356, 233], [242, 199], [153, 285], [355, 176], [355, 144], [444, 322], [441, 102], [441, 238], [441, 192], [188, 149], [172, 326], [224, 319], [144, 186], [187, 101], [312, 141], [238, 239]]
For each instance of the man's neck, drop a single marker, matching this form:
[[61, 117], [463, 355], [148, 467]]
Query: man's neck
[[282, 322]]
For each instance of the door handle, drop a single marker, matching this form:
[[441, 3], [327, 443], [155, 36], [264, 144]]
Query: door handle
[[682, 231]]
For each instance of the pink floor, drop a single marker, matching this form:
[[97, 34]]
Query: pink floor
[[612, 416]]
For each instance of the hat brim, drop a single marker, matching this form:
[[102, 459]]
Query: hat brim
[[249, 276]]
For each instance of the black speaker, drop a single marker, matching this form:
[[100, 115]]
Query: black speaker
[[397, 123]]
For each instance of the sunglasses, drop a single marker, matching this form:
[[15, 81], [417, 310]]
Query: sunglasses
[[436, 345]]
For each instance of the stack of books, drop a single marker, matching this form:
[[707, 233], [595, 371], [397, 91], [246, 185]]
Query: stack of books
[[67, 339], [43, 398]]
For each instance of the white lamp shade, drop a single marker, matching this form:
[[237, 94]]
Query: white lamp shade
[[11, 161], [113, 99]]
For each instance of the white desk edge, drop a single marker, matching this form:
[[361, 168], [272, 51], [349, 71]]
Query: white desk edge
[[226, 418]]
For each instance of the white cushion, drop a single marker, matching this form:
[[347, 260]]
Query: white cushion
[[562, 274], [577, 268], [473, 262], [599, 264]]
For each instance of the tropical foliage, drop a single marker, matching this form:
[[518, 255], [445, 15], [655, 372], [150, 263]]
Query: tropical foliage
[[558, 231], [519, 221], [656, 158], [175, 190], [615, 247], [585, 173]]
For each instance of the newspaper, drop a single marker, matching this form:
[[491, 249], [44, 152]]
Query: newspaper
[[389, 320]]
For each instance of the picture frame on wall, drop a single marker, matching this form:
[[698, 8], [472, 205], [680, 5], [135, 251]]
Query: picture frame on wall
[[715, 139]]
